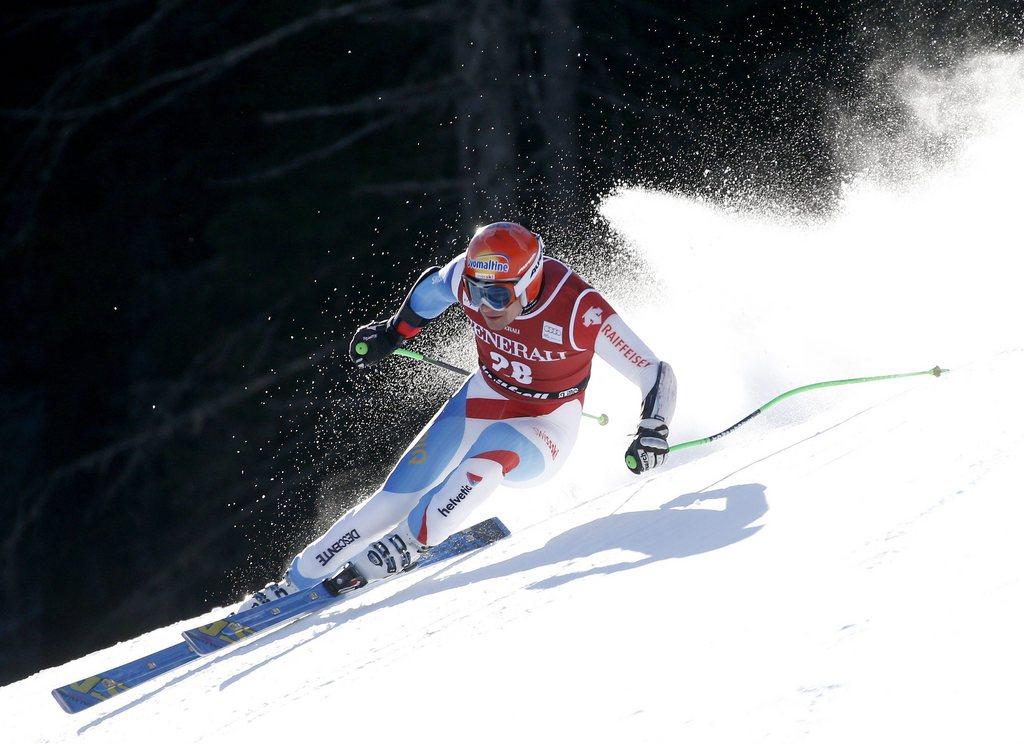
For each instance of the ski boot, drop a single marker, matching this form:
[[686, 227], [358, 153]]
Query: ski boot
[[395, 552], [273, 590]]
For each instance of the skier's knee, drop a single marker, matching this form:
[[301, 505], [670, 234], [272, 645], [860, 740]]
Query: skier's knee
[[504, 461], [519, 458]]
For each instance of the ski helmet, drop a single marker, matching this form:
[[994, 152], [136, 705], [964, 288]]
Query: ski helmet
[[502, 263]]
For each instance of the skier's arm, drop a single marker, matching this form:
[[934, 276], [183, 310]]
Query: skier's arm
[[429, 297], [619, 345], [431, 294], [596, 322]]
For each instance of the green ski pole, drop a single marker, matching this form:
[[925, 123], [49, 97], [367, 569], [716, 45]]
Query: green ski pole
[[362, 348], [935, 371], [429, 360]]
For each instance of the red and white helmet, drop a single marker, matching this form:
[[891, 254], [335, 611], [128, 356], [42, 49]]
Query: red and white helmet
[[504, 254]]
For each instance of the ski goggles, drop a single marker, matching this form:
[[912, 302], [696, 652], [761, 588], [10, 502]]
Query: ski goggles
[[498, 295]]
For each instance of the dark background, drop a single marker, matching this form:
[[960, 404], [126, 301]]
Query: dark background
[[201, 200]]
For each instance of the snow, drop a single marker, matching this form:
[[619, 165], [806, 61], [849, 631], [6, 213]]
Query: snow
[[846, 568]]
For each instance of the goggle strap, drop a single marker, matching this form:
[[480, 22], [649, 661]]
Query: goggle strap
[[520, 287]]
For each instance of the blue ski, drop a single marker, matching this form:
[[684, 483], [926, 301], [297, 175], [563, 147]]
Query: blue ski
[[88, 692], [242, 625], [105, 685]]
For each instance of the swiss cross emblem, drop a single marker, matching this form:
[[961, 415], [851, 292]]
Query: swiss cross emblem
[[592, 317]]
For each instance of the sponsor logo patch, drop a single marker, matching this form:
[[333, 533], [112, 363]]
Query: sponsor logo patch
[[461, 495], [491, 262], [552, 332], [515, 348], [552, 447], [620, 345], [336, 547], [419, 452]]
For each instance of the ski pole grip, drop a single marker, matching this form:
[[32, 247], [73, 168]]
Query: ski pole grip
[[631, 462], [362, 348]]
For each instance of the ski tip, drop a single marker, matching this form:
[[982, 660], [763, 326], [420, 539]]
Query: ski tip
[[65, 705], [73, 702]]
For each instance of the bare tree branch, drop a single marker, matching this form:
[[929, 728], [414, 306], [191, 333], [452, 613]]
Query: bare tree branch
[[32, 18], [71, 81], [310, 157], [30, 206], [96, 62], [407, 94], [440, 12], [396, 188], [174, 94], [218, 64], [194, 417], [50, 110], [70, 11]]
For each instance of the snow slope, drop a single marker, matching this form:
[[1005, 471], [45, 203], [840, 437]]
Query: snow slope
[[846, 568]]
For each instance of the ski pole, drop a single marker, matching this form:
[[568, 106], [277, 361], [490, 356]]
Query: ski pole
[[362, 348], [936, 371], [424, 358]]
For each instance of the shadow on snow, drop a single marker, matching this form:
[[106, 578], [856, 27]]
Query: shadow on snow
[[673, 530]]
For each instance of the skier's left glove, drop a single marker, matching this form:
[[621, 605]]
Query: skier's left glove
[[374, 341], [649, 446]]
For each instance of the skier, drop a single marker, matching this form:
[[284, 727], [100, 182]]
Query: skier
[[514, 420]]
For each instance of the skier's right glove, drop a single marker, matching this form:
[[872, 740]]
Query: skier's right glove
[[374, 341], [649, 446]]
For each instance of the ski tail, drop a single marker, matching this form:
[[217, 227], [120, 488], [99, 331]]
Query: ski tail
[[472, 538]]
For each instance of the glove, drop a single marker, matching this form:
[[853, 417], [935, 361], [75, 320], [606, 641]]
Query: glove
[[649, 446], [380, 339]]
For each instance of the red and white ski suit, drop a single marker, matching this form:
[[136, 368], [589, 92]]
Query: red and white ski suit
[[513, 421]]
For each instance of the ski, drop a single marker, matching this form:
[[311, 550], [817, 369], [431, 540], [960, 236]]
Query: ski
[[105, 685], [87, 692], [242, 625]]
